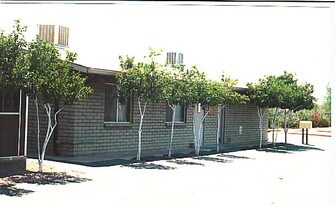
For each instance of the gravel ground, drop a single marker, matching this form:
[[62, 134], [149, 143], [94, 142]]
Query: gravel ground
[[296, 175]]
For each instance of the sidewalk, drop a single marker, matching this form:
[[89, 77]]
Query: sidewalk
[[324, 132]]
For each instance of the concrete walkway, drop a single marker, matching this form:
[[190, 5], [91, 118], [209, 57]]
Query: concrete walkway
[[296, 175]]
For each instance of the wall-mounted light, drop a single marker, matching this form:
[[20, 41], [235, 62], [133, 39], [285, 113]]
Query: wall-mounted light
[[240, 130]]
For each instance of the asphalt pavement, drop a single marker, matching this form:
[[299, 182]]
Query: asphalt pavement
[[296, 174]]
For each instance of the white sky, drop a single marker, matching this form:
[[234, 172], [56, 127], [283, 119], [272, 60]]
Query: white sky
[[246, 42]]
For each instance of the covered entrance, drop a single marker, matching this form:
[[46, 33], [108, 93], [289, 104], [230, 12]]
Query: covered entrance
[[12, 124], [13, 131]]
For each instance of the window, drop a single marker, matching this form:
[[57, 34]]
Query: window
[[63, 36], [47, 32], [180, 59], [115, 111], [9, 102], [180, 115]]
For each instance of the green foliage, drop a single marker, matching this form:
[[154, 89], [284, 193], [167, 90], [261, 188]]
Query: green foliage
[[317, 117], [281, 91], [196, 81], [143, 79], [37, 67], [265, 93], [228, 81], [326, 105], [190, 86], [50, 78], [219, 93], [12, 58], [175, 88]]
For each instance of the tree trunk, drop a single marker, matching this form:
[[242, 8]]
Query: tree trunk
[[286, 126], [273, 126], [260, 115], [140, 128], [49, 132], [218, 129], [194, 130], [198, 145], [173, 107], [197, 151], [40, 165]]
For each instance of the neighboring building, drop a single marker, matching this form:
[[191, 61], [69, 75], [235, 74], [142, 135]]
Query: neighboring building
[[101, 125]]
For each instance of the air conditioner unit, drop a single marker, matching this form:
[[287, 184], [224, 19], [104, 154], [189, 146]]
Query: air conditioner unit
[[59, 35], [174, 58]]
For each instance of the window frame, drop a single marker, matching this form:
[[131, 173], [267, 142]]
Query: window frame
[[168, 108], [116, 122]]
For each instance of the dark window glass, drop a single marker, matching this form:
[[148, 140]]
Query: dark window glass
[[180, 115], [9, 102], [115, 111]]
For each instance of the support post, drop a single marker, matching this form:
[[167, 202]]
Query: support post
[[26, 126], [285, 127], [306, 136], [19, 125], [303, 136]]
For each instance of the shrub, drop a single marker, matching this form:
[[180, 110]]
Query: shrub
[[318, 118]]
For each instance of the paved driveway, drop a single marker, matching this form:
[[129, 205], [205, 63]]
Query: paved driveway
[[297, 175]]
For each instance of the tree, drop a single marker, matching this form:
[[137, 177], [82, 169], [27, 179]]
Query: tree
[[197, 91], [327, 101], [266, 93], [183, 86], [175, 92], [37, 68], [12, 58], [212, 94], [295, 97], [280, 92], [144, 80], [226, 96], [47, 79]]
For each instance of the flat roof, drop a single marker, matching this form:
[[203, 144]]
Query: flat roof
[[91, 70], [109, 72]]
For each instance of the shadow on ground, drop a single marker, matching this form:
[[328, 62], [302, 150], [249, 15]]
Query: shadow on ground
[[12, 191], [234, 156], [7, 187], [185, 162], [289, 149], [145, 165], [212, 159]]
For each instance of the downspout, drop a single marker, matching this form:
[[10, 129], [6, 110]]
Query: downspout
[[55, 142]]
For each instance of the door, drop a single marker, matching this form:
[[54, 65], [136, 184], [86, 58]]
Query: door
[[11, 124]]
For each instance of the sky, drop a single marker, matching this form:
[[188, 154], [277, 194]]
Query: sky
[[244, 40]]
